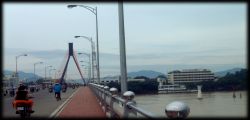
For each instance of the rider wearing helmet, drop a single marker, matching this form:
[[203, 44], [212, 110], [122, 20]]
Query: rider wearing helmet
[[57, 89], [22, 97]]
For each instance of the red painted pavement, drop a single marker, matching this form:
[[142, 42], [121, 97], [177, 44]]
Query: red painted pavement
[[83, 104]]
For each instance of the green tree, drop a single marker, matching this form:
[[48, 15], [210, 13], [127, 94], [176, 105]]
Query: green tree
[[39, 81], [115, 85], [161, 76], [141, 77]]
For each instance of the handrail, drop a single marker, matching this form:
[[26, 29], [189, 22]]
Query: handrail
[[125, 107], [141, 111], [100, 92]]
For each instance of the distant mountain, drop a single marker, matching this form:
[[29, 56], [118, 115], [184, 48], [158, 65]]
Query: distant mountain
[[22, 75], [223, 73], [146, 73]]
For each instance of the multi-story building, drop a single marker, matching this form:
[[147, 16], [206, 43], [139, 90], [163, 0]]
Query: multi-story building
[[162, 81], [190, 76]]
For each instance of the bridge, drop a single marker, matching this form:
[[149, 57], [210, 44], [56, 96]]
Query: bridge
[[91, 100]]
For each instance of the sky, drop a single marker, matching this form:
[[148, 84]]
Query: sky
[[159, 36]]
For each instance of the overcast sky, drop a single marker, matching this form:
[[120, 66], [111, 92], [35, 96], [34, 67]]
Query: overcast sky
[[159, 36]]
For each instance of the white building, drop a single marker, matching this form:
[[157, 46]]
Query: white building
[[162, 81], [10, 81], [190, 76]]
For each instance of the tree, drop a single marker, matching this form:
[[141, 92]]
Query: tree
[[235, 80], [141, 77], [40, 81], [148, 86], [115, 85], [161, 76]]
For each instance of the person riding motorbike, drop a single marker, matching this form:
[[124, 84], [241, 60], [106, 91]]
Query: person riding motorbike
[[50, 88], [64, 87], [12, 91], [22, 97], [57, 89]]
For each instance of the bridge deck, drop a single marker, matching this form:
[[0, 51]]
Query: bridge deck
[[83, 104]]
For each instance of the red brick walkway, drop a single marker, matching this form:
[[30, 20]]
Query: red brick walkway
[[83, 104]]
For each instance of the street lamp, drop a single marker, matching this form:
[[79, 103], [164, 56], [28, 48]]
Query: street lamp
[[46, 71], [57, 73], [87, 68], [89, 65], [123, 63], [93, 53], [16, 75], [35, 68], [50, 71], [94, 11]]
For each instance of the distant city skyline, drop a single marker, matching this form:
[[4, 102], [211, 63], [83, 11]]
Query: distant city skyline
[[159, 36]]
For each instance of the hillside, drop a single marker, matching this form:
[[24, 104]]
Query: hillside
[[22, 75], [223, 73], [146, 73]]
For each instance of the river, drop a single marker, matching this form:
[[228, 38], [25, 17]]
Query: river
[[213, 104]]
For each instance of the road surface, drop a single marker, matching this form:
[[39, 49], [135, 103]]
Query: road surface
[[44, 103]]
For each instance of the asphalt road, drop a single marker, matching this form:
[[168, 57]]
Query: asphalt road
[[44, 103]]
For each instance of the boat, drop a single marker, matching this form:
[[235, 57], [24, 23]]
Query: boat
[[174, 88]]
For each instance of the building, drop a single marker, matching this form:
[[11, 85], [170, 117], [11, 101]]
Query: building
[[162, 81], [190, 76], [10, 81]]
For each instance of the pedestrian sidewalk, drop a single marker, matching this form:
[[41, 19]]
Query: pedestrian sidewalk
[[83, 104]]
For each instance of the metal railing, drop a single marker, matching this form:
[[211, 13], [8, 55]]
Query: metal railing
[[124, 106]]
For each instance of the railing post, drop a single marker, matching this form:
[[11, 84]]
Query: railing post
[[177, 109], [106, 89], [114, 93], [102, 95], [129, 98], [99, 93]]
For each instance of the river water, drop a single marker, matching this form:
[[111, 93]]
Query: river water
[[213, 104]]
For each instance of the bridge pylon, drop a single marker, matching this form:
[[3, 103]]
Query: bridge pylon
[[71, 53]]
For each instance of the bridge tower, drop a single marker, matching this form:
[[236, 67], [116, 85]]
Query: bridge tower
[[71, 53]]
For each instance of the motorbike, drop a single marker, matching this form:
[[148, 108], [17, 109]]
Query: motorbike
[[64, 88], [58, 97], [73, 86], [50, 90], [12, 93], [32, 89], [23, 109]]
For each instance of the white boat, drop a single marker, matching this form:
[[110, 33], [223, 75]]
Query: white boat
[[176, 88]]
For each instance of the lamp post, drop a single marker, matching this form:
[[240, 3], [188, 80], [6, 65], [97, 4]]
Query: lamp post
[[87, 68], [94, 11], [57, 74], [50, 71], [16, 75], [93, 53], [123, 64], [35, 68], [89, 73], [46, 71]]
